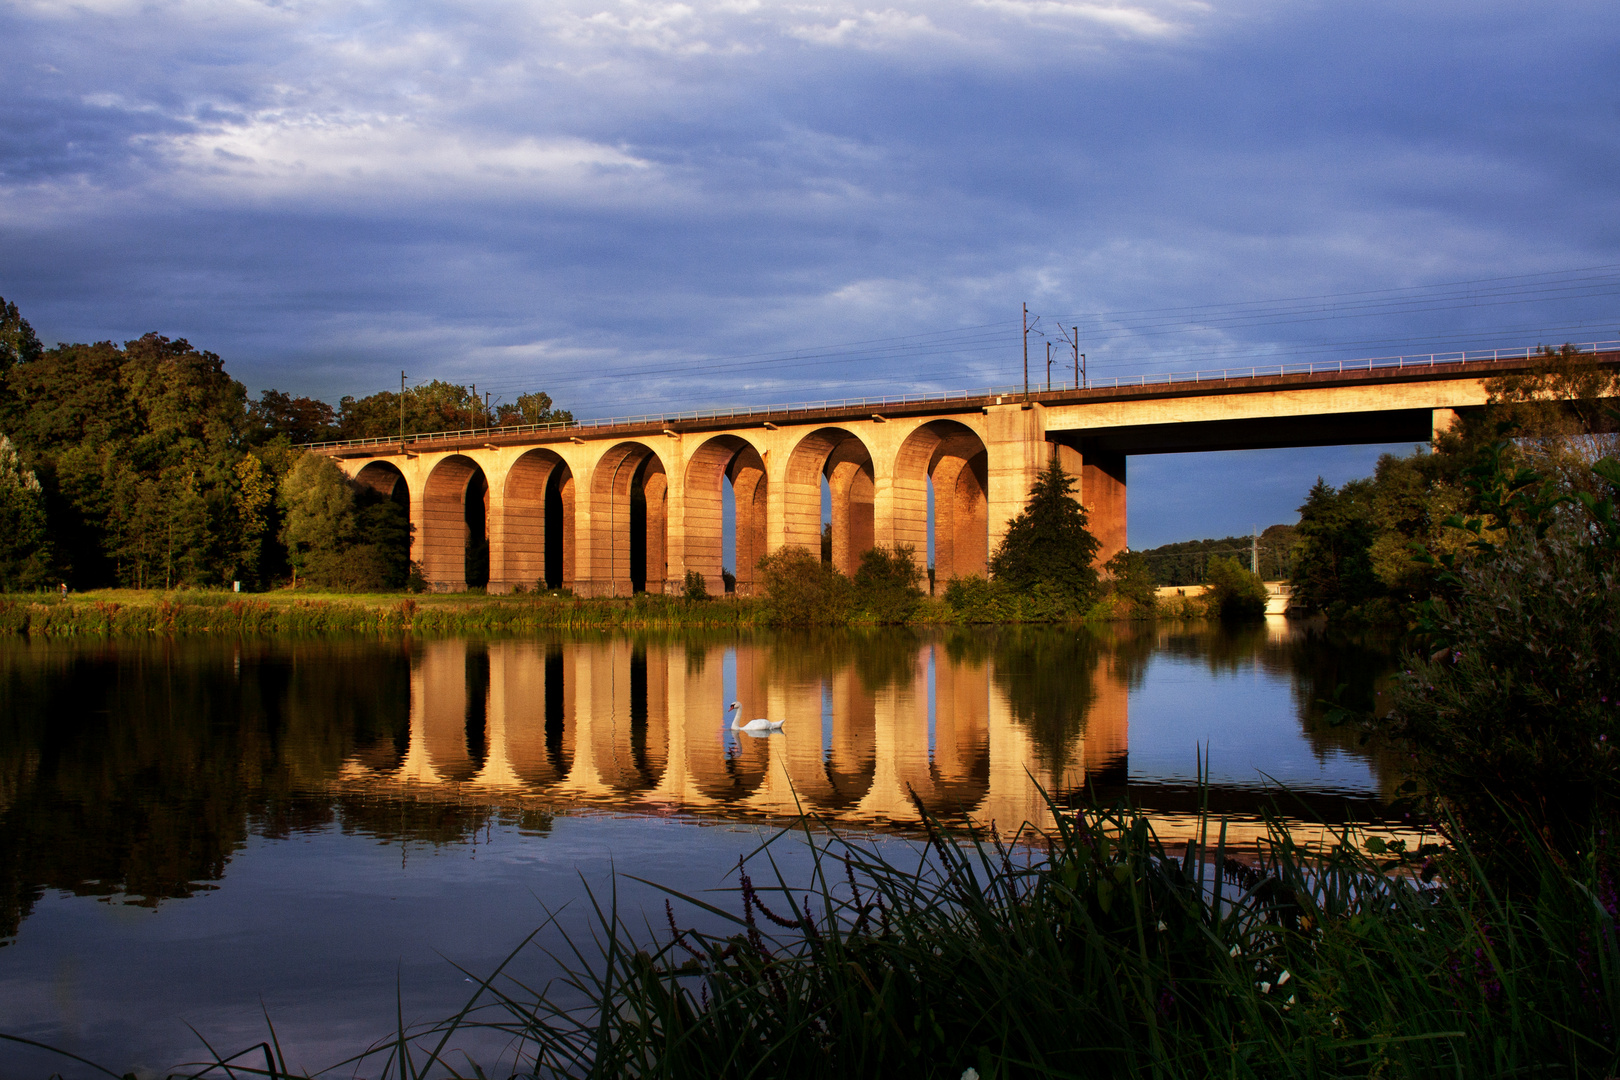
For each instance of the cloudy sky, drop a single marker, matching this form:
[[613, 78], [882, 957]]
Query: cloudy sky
[[638, 206]]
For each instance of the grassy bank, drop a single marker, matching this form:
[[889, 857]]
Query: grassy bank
[[132, 612], [123, 612]]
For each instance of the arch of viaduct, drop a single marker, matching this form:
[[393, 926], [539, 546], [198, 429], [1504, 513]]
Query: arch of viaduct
[[611, 510]]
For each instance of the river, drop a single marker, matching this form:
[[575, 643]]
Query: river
[[210, 832]]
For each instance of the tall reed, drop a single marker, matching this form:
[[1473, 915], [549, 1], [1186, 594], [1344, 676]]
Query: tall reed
[[1093, 951]]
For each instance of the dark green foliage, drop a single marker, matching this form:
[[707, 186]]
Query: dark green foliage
[[1333, 547], [298, 420], [18, 345], [803, 590], [25, 546], [1130, 577], [532, 408], [695, 587], [1187, 562], [1513, 708], [886, 584], [438, 406], [1235, 594], [991, 600], [137, 450], [1048, 543], [336, 539]]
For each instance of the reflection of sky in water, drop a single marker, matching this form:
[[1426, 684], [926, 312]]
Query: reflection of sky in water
[[1246, 718], [321, 925]]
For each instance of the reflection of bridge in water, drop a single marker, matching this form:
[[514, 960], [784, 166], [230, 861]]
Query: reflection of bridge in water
[[620, 724]]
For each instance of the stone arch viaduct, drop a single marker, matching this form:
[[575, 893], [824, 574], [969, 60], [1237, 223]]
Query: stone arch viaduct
[[612, 508]]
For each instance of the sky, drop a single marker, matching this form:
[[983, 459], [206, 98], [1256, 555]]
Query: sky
[[646, 206]]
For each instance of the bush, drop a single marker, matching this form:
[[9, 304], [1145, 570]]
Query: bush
[[1512, 711], [1132, 581], [886, 583], [803, 590], [695, 588], [1235, 594]]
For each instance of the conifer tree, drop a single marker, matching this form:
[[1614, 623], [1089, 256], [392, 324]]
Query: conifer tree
[[1048, 545]]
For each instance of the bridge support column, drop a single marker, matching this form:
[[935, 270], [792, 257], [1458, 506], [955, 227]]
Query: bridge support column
[[1016, 450], [1102, 492]]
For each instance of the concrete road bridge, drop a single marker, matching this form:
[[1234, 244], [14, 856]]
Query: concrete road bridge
[[612, 507]]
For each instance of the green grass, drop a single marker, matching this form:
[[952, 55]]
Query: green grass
[[135, 612], [125, 612]]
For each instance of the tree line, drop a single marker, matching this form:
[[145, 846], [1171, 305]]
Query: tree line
[[147, 465], [1373, 547]]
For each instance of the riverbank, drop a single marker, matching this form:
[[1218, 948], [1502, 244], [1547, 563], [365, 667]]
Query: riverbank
[[125, 612]]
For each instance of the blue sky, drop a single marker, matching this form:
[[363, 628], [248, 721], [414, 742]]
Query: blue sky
[[636, 206]]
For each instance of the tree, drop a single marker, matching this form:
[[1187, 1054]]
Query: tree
[[1235, 593], [438, 406], [1132, 579], [1510, 706], [886, 584], [1048, 545], [136, 449], [318, 521], [532, 408], [25, 548], [1333, 545], [803, 590], [18, 345], [299, 420]]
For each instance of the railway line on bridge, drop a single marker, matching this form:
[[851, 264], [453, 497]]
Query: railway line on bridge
[[615, 506]]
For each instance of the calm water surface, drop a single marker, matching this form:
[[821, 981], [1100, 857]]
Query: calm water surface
[[191, 828]]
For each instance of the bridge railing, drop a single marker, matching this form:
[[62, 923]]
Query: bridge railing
[[1143, 379]]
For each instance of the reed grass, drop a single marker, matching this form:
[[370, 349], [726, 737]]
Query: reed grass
[[1088, 951]]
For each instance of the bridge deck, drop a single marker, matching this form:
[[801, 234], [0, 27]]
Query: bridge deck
[[1176, 385]]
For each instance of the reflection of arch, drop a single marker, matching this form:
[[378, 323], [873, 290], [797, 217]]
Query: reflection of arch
[[720, 765], [385, 480], [960, 763], [843, 459], [954, 457], [725, 457], [539, 740], [538, 516], [455, 507], [630, 743], [852, 745], [453, 703], [629, 500]]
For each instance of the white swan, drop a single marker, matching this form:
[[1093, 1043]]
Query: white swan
[[761, 726]]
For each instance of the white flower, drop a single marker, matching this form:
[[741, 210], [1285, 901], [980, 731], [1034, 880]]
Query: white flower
[[1284, 977], [1265, 988], [970, 1073]]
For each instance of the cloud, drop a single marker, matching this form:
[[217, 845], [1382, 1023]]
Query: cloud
[[389, 158], [549, 194]]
